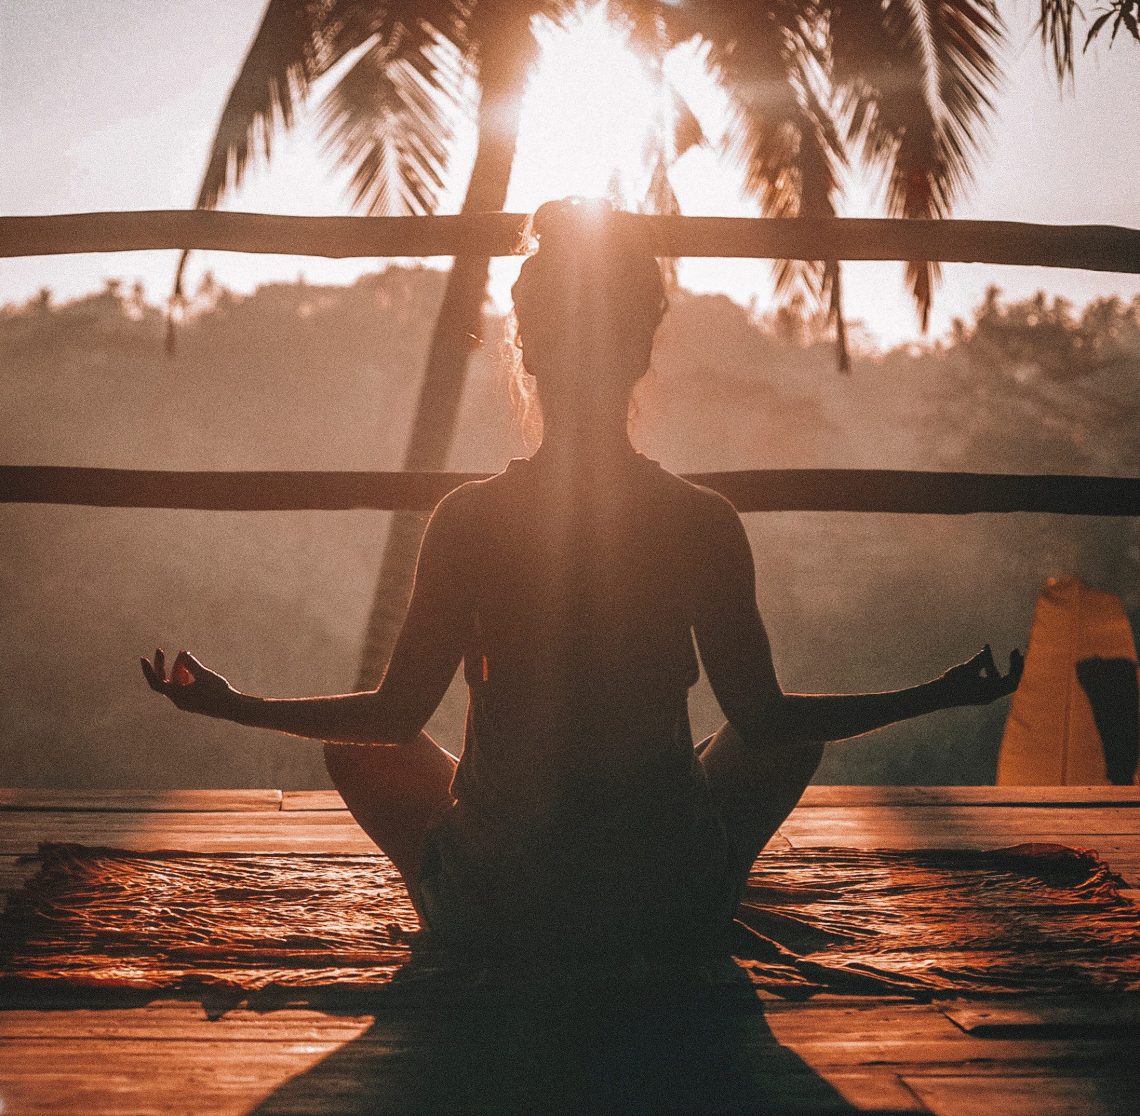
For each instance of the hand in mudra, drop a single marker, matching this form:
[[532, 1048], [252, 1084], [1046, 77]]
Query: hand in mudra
[[191, 686], [978, 681]]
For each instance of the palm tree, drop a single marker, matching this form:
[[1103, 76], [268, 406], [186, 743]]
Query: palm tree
[[904, 84]]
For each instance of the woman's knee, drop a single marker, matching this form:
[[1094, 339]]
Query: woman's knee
[[755, 785], [344, 762], [729, 753], [418, 771], [805, 757]]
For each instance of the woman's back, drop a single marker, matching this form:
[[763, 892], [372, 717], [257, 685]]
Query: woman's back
[[579, 650]]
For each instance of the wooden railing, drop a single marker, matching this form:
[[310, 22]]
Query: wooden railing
[[1092, 247], [750, 490]]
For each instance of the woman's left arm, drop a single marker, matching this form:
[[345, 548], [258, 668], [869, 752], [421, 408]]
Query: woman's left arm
[[977, 681], [737, 657], [423, 663]]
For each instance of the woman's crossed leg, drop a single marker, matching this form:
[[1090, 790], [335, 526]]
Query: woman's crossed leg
[[395, 793], [754, 787]]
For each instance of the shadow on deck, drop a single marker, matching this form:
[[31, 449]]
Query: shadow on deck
[[578, 1052]]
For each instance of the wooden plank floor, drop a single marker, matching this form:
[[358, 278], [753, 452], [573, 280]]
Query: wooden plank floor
[[1042, 1055]]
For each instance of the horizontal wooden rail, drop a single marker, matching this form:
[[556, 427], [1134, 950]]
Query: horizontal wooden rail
[[751, 490], [1093, 247]]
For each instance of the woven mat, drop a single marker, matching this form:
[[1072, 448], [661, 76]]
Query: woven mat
[[1035, 918]]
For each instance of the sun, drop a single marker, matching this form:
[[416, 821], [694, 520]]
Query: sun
[[588, 113]]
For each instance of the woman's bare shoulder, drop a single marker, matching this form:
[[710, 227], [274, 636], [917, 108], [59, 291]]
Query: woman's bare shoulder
[[474, 498], [704, 506]]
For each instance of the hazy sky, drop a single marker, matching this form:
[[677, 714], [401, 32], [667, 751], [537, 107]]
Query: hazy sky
[[111, 104]]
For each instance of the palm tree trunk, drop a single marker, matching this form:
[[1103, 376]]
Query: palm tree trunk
[[460, 317]]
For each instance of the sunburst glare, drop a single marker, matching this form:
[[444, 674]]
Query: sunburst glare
[[588, 112]]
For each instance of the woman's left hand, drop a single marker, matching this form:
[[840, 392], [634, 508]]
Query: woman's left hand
[[978, 681]]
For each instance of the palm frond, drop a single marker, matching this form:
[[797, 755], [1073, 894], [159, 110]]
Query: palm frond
[[783, 134], [1123, 13], [777, 117], [391, 119], [281, 64], [1055, 27], [283, 60], [915, 80], [297, 42]]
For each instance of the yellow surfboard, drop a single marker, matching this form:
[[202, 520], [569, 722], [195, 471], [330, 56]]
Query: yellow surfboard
[[1073, 720]]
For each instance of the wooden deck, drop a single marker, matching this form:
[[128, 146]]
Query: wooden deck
[[1043, 1055]]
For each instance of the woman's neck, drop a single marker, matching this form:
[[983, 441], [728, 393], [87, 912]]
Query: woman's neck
[[576, 448]]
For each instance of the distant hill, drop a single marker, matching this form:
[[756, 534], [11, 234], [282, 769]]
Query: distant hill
[[304, 377]]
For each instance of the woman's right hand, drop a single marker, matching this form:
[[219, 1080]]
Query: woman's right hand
[[191, 686]]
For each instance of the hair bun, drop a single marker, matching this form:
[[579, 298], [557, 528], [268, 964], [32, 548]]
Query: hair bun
[[594, 264], [572, 222]]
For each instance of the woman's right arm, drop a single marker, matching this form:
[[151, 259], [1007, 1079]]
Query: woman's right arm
[[737, 657], [357, 718], [424, 661]]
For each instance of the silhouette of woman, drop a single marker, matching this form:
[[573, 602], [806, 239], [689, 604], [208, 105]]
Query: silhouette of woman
[[571, 586]]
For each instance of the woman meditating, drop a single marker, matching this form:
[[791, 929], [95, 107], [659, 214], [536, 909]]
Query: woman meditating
[[571, 587]]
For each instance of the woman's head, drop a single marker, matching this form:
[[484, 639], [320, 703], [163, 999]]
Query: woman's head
[[587, 302]]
